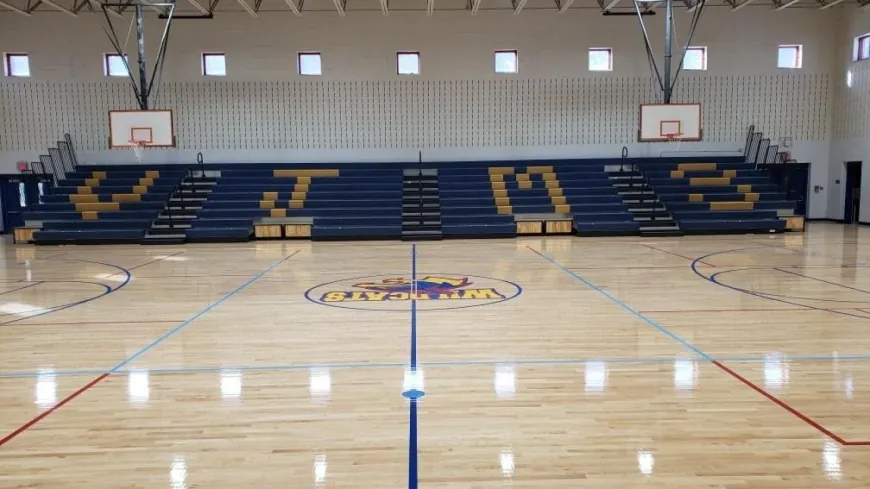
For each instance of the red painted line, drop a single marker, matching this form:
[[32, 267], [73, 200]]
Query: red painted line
[[793, 309], [145, 264], [728, 310], [85, 323], [26, 426], [857, 443], [664, 267], [677, 255], [806, 419]]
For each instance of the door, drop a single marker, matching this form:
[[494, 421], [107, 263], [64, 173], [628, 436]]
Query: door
[[852, 202], [11, 201]]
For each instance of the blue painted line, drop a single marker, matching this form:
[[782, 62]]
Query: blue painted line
[[770, 297], [198, 315], [108, 290], [413, 308], [628, 308], [413, 394], [413, 479], [823, 281]]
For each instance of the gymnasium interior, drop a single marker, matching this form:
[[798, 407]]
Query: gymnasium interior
[[434, 244]]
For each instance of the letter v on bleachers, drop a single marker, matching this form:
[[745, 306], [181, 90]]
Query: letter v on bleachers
[[111, 206]]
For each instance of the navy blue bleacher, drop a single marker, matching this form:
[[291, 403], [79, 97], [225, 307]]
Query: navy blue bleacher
[[713, 197], [116, 205]]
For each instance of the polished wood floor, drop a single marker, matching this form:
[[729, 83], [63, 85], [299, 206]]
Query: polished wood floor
[[698, 362]]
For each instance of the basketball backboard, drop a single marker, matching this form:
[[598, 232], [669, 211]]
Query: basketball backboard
[[149, 128], [665, 122]]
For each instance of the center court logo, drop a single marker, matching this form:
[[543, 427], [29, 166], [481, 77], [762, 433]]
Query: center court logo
[[432, 292]]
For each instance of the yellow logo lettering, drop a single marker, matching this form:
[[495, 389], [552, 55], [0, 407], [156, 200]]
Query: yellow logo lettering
[[333, 297], [490, 294]]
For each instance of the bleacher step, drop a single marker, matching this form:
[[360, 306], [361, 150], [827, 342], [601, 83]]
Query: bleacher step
[[664, 232], [421, 235], [163, 240]]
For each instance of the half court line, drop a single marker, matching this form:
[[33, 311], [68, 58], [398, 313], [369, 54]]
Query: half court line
[[412, 394], [806, 419], [21, 429]]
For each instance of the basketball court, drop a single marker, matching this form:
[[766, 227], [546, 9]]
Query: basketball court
[[538, 362]]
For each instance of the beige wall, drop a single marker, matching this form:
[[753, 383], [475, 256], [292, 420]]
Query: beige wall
[[851, 127], [453, 45], [360, 110]]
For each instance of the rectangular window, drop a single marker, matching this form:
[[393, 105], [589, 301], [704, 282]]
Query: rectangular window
[[789, 56], [214, 64], [695, 59], [309, 64], [115, 65], [600, 59], [408, 63], [17, 64], [506, 62], [862, 47]]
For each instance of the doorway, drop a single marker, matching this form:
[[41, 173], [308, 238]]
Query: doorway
[[852, 204]]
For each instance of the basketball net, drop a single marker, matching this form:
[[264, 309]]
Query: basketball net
[[676, 137], [139, 149]]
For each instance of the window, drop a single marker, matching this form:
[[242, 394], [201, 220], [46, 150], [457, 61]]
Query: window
[[408, 63], [115, 65], [849, 78], [695, 58], [309, 64], [600, 59], [862, 47], [506, 62], [789, 56], [17, 65], [214, 64]]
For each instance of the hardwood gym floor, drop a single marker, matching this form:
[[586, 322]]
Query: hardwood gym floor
[[698, 362]]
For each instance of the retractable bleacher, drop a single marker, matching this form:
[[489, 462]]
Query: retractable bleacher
[[479, 201], [93, 207], [341, 203], [720, 197]]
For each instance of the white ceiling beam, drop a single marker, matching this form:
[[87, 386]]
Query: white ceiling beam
[[430, 7], [385, 7], [14, 9], [611, 5], [295, 8], [740, 6], [565, 5], [339, 7], [196, 5], [59, 7], [475, 5], [831, 4], [518, 6], [787, 5], [247, 8]]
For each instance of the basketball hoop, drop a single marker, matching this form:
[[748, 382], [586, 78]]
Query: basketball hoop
[[675, 137], [138, 148]]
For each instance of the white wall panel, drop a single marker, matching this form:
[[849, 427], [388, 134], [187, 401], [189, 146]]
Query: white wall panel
[[413, 114]]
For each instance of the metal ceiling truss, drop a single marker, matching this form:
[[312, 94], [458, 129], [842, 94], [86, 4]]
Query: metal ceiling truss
[[563, 5], [207, 8]]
